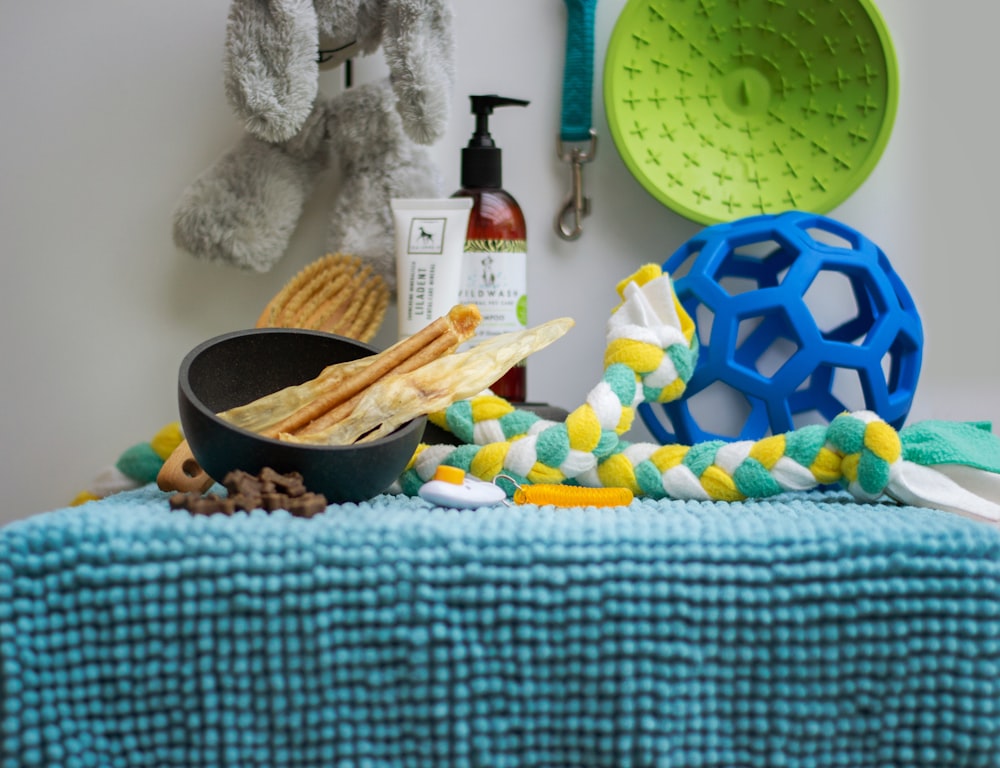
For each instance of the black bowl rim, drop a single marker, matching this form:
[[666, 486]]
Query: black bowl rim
[[184, 383]]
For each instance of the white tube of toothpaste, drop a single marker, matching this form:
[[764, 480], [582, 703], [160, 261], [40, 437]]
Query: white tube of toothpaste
[[430, 243]]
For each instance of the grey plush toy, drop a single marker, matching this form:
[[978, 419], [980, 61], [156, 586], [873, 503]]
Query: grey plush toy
[[244, 208]]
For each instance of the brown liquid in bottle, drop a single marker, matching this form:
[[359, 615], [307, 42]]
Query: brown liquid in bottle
[[496, 225]]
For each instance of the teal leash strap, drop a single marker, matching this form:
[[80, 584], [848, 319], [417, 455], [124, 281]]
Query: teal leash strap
[[576, 119], [578, 73]]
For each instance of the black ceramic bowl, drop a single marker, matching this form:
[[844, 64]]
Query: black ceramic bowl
[[237, 368]]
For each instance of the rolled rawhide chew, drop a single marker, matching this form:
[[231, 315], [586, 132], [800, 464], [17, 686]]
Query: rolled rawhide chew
[[294, 408]]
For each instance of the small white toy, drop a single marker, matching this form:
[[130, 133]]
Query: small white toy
[[451, 487]]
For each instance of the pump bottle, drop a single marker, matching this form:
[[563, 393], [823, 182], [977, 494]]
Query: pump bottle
[[494, 267]]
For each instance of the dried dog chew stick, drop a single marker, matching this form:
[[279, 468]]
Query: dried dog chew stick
[[269, 410], [449, 331], [443, 345], [308, 401], [397, 398]]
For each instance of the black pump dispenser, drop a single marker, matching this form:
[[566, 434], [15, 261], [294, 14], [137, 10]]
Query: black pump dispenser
[[481, 164]]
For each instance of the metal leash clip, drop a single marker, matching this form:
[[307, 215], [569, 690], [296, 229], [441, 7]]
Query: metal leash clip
[[569, 222]]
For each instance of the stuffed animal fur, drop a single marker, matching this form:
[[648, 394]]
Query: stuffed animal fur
[[244, 208]]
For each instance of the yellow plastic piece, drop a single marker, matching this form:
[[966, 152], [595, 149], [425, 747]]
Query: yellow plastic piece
[[449, 474]]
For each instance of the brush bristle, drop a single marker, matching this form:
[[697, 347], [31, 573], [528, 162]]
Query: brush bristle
[[337, 293]]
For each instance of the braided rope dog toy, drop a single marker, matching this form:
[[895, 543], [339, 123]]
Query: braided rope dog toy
[[650, 356]]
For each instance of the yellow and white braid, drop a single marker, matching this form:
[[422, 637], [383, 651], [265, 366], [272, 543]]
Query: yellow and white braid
[[650, 356]]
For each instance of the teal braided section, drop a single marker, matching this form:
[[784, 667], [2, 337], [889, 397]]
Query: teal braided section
[[876, 446], [684, 357], [622, 380], [803, 445], [553, 447], [753, 480], [679, 359], [459, 420], [700, 457]]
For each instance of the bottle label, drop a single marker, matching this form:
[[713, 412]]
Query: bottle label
[[494, 278]]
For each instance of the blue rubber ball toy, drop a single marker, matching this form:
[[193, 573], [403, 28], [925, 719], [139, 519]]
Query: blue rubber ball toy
[[799, 318]]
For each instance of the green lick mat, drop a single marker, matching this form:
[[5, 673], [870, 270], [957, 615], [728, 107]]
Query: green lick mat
[[730, 108]]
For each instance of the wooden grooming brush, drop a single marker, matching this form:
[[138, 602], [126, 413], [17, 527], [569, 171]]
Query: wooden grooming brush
[[337, 294]]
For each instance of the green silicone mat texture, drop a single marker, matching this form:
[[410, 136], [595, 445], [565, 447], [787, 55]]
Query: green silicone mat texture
[[731, 108]]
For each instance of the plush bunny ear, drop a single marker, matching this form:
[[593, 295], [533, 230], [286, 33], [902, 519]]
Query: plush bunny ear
[[420, 51], [271, 71]]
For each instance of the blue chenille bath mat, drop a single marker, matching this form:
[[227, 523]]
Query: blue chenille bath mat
[[805, 631]]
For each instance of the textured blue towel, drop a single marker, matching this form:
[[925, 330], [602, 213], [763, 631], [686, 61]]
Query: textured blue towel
[[807, 631]]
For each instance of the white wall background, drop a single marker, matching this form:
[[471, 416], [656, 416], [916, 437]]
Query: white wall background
[[111, 107]]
